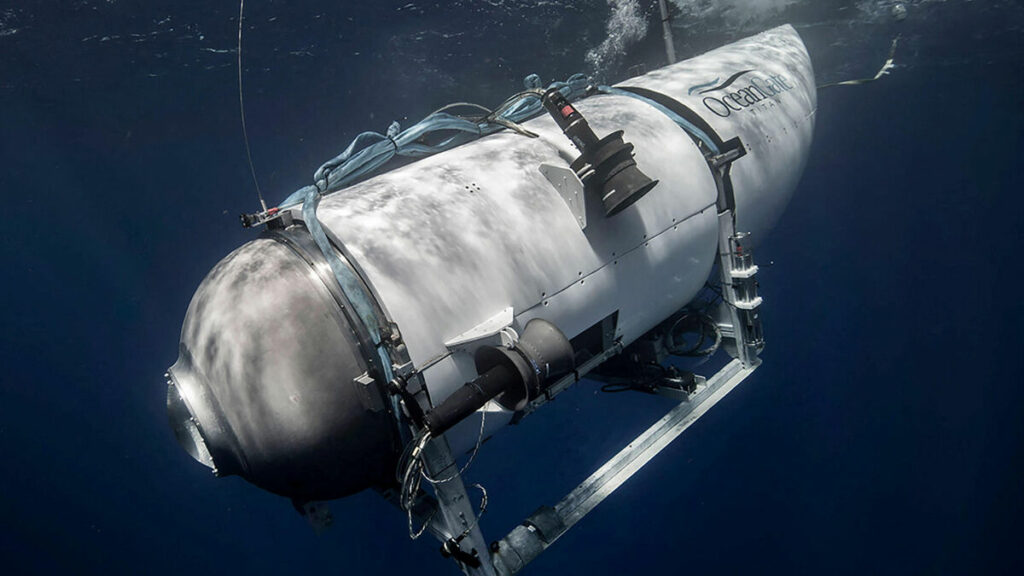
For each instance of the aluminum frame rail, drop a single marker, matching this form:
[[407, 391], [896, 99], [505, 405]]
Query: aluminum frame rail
[[525, 542]]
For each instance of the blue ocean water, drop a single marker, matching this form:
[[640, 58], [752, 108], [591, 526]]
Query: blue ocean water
[[883, 434]]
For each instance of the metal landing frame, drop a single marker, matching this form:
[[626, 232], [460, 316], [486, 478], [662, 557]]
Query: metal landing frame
[[452, 518], [540, 530], [452, 513]]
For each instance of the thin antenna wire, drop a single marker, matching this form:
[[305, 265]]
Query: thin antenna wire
[[241, 107]]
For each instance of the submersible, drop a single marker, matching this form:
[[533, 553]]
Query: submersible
[[459, 291]]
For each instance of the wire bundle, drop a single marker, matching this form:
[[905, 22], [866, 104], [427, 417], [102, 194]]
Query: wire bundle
[[412, 471]]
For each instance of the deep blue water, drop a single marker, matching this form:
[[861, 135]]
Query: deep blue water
[[883, 434]]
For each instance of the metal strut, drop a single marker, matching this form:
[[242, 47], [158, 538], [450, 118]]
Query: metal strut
[[457, 516], [452, 519], [666, 28], [739, 316], [526, 541]]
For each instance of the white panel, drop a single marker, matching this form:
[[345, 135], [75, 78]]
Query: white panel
[[489, 329], [645, 284]]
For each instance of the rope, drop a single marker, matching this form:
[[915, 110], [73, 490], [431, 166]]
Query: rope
[[371, 150], [345, 277], [448, 107], [887, 67]]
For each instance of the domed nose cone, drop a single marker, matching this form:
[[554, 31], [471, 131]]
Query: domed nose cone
[[197, 421], [185, 429], [268, 385]]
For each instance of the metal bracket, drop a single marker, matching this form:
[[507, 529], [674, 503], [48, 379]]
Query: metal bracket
[[496, 329], [570, 188], [727, 157], [404, 370], [369, 393], [740, 317]]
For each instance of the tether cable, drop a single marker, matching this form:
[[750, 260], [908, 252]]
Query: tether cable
[[241, 108]]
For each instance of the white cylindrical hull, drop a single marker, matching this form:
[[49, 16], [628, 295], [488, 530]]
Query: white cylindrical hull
[[280, 376], [452, 240]]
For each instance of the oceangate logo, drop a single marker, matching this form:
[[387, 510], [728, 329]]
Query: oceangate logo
[[756, 90]]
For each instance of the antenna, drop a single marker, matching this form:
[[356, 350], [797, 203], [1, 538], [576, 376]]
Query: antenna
[[241, 108]]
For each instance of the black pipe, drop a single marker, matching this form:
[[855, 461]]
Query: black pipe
[[512, 375], [470, 398]]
